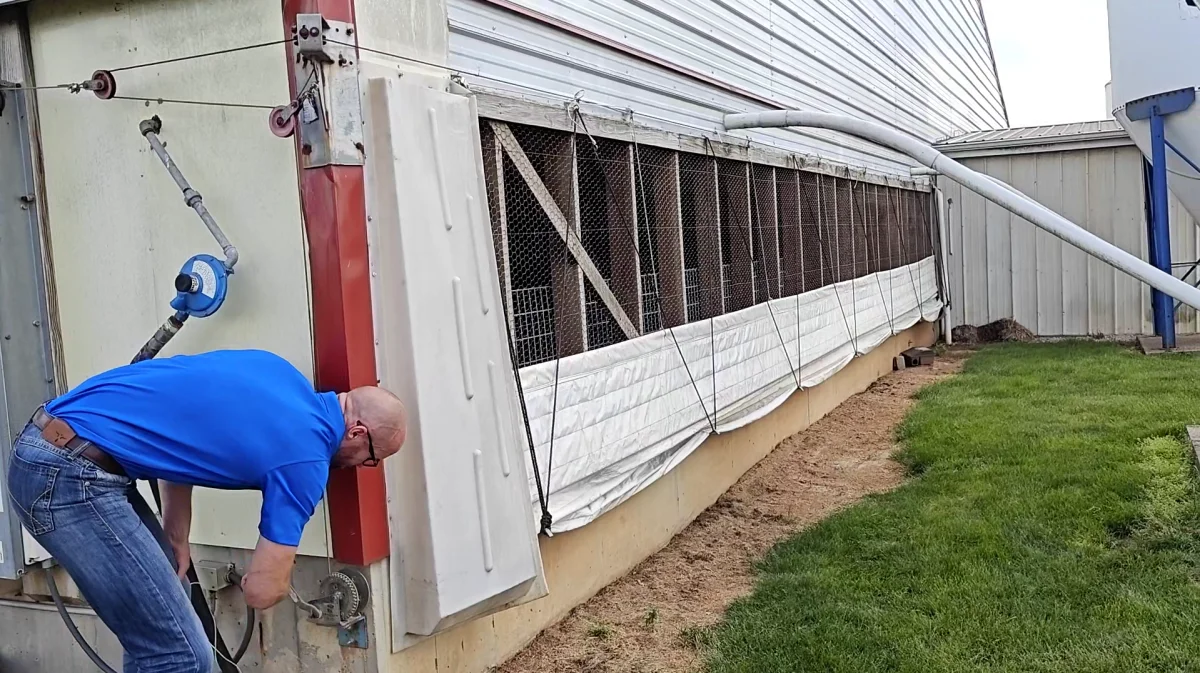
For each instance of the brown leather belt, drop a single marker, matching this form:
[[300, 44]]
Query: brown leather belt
[[59, 433]]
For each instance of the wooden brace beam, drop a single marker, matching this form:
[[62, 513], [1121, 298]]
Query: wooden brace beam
[[559, 220]]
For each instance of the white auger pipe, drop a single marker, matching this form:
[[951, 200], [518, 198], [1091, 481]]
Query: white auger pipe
[[987, 187]]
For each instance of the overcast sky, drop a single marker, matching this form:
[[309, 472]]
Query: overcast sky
[[1053, 58]]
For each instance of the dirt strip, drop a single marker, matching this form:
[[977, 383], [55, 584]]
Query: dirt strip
[[648, 621]]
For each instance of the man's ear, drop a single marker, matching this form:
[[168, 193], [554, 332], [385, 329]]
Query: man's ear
[[355, 431]]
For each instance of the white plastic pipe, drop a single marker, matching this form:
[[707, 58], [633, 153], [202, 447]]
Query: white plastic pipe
[[943, 216], [987, 187]]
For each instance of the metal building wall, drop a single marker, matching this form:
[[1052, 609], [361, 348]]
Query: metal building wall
[[922, 66], [1000, 266]]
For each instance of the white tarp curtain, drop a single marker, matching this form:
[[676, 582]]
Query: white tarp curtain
[[629, 413]]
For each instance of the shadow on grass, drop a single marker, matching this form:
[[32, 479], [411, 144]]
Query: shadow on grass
[[1051, 525]]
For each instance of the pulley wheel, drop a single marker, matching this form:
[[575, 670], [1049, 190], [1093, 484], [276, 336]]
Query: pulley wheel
[[104, 85], [282, 123]]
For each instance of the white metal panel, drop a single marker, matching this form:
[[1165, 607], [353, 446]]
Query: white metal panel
[[1049, 249], [999, 247], [877, 59], [1074, 260], [975, 295], [1024, 177], [462, 529], [1131, 298], [1057, 290], [1102, 185], [118, 225]]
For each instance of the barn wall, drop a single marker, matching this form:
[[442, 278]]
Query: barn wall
[[924, 67], [1001, 266]]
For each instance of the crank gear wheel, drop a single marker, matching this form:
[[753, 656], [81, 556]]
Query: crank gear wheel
[[350, 591]]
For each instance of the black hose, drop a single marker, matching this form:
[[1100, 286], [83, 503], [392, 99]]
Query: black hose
[[225, 661], [66, 617], [247, 635]]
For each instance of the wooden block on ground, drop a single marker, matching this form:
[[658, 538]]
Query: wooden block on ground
[[899, 364]]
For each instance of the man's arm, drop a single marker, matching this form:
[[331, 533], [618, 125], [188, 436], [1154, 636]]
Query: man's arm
[[177, 521], [270, 575], [290, 495]]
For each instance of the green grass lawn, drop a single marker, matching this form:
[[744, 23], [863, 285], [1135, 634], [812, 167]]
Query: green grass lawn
[[1051, 525]]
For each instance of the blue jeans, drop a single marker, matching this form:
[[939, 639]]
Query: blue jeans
[[88, 520]]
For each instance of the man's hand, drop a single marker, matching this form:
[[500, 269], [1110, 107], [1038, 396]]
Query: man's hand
[[183, 557], [177, 522], [270, 574]]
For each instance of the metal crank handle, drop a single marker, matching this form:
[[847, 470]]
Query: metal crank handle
[[313, 611]]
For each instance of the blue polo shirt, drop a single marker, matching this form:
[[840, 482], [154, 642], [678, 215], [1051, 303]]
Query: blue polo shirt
[[226, 419]]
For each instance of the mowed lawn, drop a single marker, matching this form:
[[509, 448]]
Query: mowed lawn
[[1051, 524]]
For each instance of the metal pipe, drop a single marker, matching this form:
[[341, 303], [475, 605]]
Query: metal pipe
[[150, 128], [1036, 213], [1183, 156]]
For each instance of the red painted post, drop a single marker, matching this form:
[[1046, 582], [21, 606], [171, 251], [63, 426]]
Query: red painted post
[[333, 203]]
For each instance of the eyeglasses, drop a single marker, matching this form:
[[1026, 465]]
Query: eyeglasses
[[372, 461]]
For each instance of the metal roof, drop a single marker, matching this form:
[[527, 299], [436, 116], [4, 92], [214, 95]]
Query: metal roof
[[1038, 138]]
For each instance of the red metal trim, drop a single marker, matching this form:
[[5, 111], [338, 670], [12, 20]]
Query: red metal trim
[[333, 203], [616, 45]]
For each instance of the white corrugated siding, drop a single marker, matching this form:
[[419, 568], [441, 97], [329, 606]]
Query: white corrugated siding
[[924, 66], [1001, 266]]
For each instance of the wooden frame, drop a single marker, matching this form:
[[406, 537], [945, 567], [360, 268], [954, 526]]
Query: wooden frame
[[698, 180], [493, 168], [566, 279], [600, 124], [791, 239], [624, 235], [766, 227], [667, 230], [737, 237]]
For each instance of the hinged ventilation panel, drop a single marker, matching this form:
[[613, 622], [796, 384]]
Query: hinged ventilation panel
[[461, 520]]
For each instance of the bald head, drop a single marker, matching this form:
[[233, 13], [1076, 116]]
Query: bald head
[[375, 420]]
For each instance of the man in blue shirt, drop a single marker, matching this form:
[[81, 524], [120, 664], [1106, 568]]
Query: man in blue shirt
[[226, 420]]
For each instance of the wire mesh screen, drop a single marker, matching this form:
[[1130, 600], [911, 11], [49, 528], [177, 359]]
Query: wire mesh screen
[[691, 282], [812, 247], [533, 324], [598, 240]]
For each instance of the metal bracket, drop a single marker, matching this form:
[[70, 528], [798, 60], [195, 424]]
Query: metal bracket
[[213, 575], [1162, 104], [310, 39], [329, 120]]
